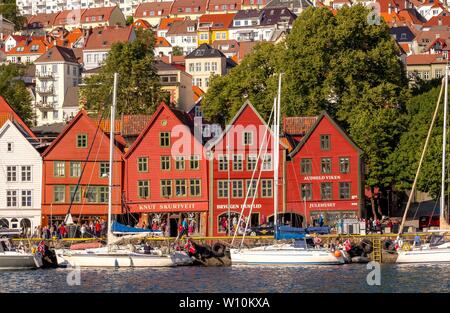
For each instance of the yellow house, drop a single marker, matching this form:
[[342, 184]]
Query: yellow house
[[212, 27]]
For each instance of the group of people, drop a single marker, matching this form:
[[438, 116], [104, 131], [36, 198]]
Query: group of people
[[88, 229], [186, 228], [235, 225]]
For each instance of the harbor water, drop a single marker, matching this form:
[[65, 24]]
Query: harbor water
[[341, 279]]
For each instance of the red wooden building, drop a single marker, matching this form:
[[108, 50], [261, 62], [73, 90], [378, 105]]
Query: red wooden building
[[80, 156], [166, 173], [324, 172], [247, 143]]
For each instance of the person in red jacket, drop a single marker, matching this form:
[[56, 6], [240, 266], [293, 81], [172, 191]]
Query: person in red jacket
[[98, 229]]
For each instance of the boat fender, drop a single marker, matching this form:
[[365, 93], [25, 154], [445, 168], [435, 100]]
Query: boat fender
[[219, 249]]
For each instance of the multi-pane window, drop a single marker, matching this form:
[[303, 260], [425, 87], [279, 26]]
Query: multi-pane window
[[59, 194], [267, 162], [26, 198], [75, 169], [214, 66], [248, 138], [166, 188], [75, 194], [237, 188], [11, 198], [198, 67], [344, 190], [59, 168], [325, 142], [222, 189], [195, 162], [325, 165], [103, 194], [143, 189], [305, 166], [104, 169], [237, 162], [164, 139], [11, 173], [179, 163], [251, 162], [26, 172], [207, 66], [251, 188], [180, 187], [223, 163], [165, 163], [9, 147], [142, 164], [194, 186], [266, 188], [344, 165], [325, 191], [92, 194], [82, 141], [306, 191]]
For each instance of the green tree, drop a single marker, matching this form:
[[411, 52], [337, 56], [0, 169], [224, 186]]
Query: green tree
[[405, 160], [130, 20], [9, 10], [335, 63], [15, 92], [139, 88]]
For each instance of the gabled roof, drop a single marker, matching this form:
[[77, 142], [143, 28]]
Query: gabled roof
[[247, 104], [58, 54], [438, 20], [158, 8], [216, 21], [182, 117], [7, 113], [217, 5], [140, 23], [194, 6], [181, 28], [313, 128], [162, 42], [272, 16], [42, 20], [69, 17], [205, 51], [166, 23], [104, 12], [72, 123], [247, 14], [425, 59], [25, 47], [12, 123], [17, 38], [105, 37], [298, 125]]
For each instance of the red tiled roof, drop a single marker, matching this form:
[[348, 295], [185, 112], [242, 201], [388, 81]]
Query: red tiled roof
[[217, 21], [144, 10], [24, 47], [425, 59], [192, 6], [217, 5], [105, 14], [198, 92], [298, 125], [162, 42], [42, 19], [405, 47], [68, 17], [7, 113], [105, 37], [140, 23], [435, 20], [166, 23]]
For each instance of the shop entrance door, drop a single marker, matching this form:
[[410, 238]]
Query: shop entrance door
[[254, 221], [173, 227]]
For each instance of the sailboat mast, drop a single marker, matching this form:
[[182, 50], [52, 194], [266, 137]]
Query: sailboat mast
[[276, 158], [444, 144], [111, 155]]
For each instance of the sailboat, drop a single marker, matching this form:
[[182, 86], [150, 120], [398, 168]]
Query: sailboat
[[437, 250], [296, 253], [113, 254]]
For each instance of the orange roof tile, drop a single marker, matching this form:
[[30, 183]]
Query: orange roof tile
[[35, 46], [100, 14], [152, 9], [161, 42], [140, 23], [217, 21], [7, 113], [198, 92], [165, 23], [425, 59]]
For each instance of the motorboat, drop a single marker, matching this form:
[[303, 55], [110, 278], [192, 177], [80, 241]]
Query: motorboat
[[12, 258]]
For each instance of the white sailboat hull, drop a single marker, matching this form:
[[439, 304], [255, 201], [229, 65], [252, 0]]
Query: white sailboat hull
[[120, 259], [439, 254], [283, 255], [18, 260]]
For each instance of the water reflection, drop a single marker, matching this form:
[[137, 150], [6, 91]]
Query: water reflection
[[346, 278]]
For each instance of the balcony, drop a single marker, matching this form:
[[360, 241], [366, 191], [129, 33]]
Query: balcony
[[46, 75], [47, 105], [45, 91]]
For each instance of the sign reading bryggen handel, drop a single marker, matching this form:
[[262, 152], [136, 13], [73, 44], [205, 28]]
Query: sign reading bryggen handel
[[170, 207], [322, 177]]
